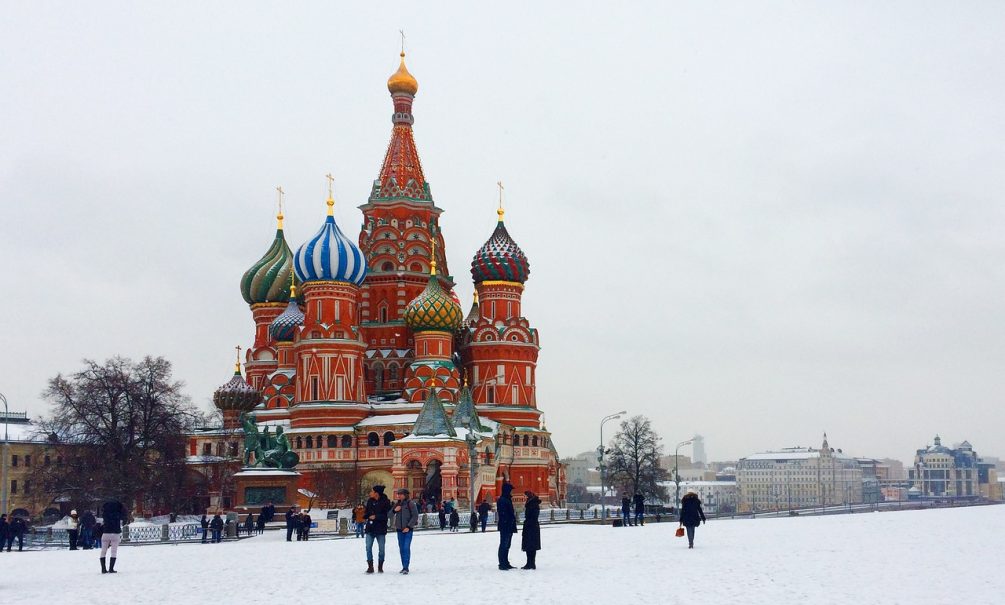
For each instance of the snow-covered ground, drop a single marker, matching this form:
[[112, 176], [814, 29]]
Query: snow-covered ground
[[910, 557]]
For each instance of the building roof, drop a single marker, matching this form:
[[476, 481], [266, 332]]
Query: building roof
[[793, 453]]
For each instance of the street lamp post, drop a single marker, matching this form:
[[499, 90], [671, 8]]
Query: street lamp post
[[676, 474], [472, 442], [600, 451], [3, 474]]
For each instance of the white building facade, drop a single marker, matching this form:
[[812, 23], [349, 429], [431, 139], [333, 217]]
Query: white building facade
[[797, 477]]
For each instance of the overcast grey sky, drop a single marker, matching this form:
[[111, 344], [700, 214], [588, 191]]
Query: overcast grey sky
[[754, 221]]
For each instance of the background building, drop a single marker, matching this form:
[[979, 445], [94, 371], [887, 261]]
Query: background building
[[957, 472], [798, 477]]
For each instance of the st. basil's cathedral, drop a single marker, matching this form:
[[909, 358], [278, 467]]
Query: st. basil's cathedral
[[364, 359]]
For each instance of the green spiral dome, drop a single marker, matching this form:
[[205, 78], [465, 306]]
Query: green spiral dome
[[268, 280]]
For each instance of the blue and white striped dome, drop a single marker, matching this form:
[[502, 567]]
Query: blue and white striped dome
[[330, 256]]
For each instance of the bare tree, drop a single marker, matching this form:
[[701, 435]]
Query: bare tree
[[119, 428], [635, 459], [336, 485]]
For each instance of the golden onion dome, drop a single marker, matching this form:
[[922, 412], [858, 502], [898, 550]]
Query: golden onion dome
[[402, 81]]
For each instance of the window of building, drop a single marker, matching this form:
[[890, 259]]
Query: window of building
[[387, 266], [533, 441], [45, 461], [232, 447], [13, 460], [314, 388], [310, 442], [373, 440], [13, 486], [490, 393], [300, 443], [27, 460], [346, 441], [393, 371], [383, 314], [388, 438], [525, 440], [317, 443], [207, 449], [332, 441], [27, 487]]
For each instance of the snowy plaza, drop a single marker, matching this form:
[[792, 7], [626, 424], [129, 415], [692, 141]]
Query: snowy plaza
[[910, 557]]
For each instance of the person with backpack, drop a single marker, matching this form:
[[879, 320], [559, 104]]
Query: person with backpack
[[404, 518], [378, 507], [359, 519]]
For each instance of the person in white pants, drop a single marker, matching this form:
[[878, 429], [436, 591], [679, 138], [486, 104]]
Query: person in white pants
[[113, 514]]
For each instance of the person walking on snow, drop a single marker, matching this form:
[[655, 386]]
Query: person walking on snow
[[113, 513], [359, 519], [216, 525], [16, 530], [483, 513], [204, 522], [291, 522], [530, 542], [506, 518], [87, 523], [73, 532], [455, 519], [378, 507], [404, 518], [691, 515], [640, 508], [442, 514], [626, 512]]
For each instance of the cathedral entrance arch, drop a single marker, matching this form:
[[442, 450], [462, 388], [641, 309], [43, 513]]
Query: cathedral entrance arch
[[377, 477], [433, 489]]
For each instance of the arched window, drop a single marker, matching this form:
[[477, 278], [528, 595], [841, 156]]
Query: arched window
[[387, 266], [332, 441], [346, 441], [378, 377], [524, 440], [533, 440], [393, 371], [317, 443], [219, 449], [310, 442], [416, 268], [373, 440], [388, 438], [300, 443]]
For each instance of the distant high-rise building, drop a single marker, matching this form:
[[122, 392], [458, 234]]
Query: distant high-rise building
[[698, 450]]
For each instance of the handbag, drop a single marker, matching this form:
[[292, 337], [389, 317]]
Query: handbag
[[680, 532]]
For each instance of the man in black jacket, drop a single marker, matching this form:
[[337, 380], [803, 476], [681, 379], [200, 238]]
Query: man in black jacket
[[378, 506], [483, 513], [506, 516], [640, 508], [291, 522], [113, 514]]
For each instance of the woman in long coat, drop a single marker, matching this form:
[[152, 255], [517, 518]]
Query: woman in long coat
[[691, 515], [531, 539]]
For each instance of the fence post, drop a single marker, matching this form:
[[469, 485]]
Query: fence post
[[551, 512], [125, 533], [165, 532]]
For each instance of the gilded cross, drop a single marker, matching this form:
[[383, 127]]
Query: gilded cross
[[331, 181], [402, 32]]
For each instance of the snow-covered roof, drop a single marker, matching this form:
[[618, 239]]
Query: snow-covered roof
[[793, 453], [319, 429], [388, 419]]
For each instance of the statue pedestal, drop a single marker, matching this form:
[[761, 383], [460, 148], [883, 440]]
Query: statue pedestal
[[256, 487]]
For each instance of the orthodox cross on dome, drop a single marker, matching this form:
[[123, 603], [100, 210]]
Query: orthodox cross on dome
[[432, 262], [279, 203], [500, 211], [331, 195], [402, 32], [237, 365]]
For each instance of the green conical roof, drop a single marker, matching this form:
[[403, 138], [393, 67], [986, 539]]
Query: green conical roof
[[465, 414], [433, 420]]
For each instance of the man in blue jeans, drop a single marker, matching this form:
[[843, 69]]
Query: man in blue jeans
[[506, 516], [404, 517]]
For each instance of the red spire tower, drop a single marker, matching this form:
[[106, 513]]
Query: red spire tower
[[400, 220]]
